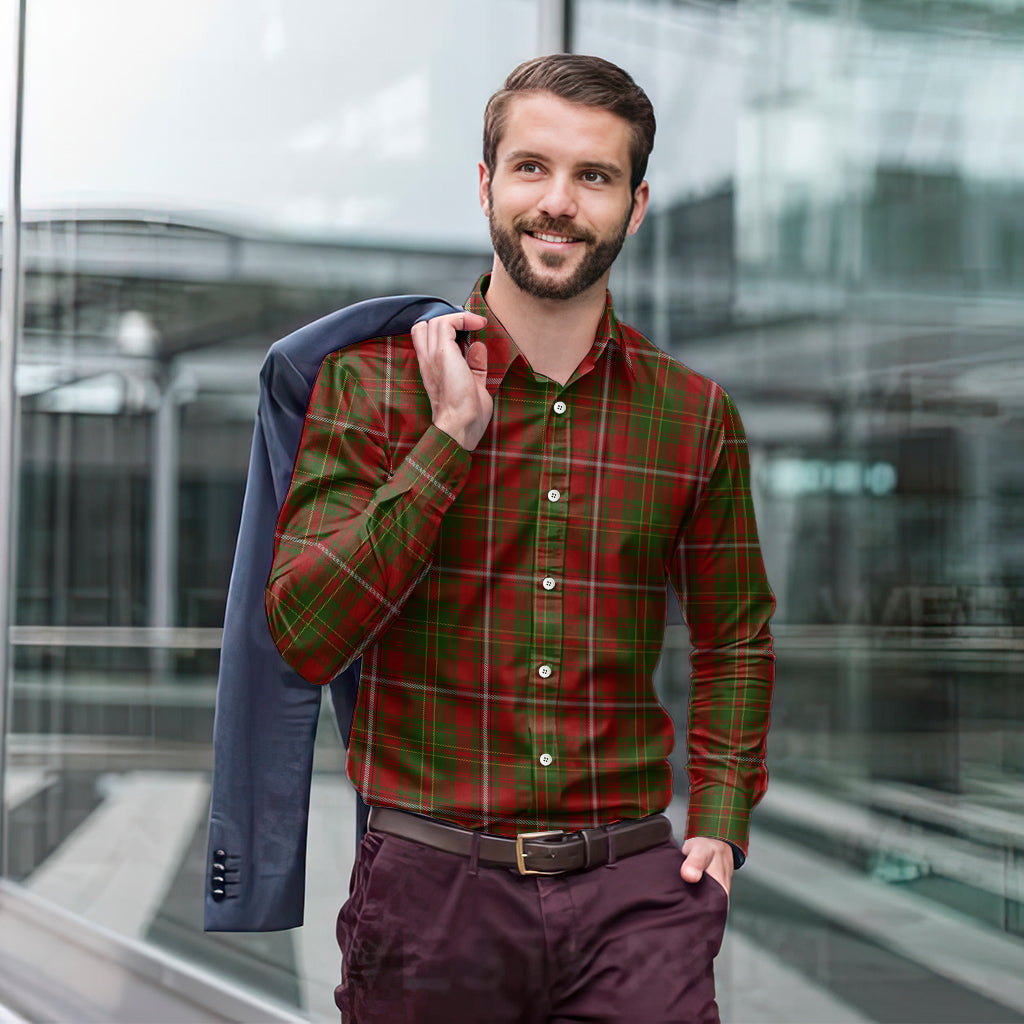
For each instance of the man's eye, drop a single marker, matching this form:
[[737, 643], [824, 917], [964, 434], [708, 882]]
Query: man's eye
[[593, 177], [529, 168]]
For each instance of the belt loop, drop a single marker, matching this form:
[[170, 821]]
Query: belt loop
[[611, 847], [585, 833], [474, 853]]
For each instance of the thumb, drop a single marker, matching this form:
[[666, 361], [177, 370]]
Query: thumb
[[691, 870], [693, 863], [477, 358]]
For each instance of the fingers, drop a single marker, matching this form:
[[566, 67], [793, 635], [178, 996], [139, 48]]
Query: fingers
[[703, 854], [446, 326], [435, 341], [695, 864], [456, 386], [472, 321]]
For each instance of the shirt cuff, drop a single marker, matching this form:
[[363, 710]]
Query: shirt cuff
[[738, 856], [720, 811]]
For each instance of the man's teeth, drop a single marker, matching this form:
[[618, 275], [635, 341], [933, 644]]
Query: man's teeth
[[551, 238]]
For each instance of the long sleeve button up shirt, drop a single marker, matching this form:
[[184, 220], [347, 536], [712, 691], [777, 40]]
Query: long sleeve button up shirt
[[509, 604]]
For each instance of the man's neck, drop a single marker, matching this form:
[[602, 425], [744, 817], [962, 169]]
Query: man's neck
[[554, 335]]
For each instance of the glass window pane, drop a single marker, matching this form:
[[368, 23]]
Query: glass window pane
[[352, 120], [836, 237], [8, 23], [200, 178]]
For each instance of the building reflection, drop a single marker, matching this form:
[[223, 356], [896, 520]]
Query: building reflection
[[853, 277]]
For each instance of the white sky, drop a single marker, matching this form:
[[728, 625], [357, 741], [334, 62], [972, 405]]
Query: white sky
[[334, 116], [338, 117], [363, 119]]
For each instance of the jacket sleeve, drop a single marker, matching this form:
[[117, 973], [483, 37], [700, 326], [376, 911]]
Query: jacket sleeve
[[719, 574], [356, 533]]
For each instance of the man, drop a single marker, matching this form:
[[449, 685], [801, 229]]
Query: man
[[487, 512]]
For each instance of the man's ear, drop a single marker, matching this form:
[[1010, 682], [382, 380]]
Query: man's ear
[[485, 184], [641, 197]]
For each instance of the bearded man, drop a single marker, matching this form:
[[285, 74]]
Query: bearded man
[[488, 511]]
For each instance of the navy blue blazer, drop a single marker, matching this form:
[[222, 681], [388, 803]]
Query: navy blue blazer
[[266, 714]]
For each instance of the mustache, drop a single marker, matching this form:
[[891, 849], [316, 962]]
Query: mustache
[[552, 226]]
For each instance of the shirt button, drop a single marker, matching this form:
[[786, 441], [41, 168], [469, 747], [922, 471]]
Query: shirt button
[[546, 759], [554, 495], [559, 407], [548, 583], [544, 671]]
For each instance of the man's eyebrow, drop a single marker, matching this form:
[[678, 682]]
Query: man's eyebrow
[[523, 154], [613, 171]]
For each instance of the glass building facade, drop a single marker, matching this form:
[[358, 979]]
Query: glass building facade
[[836, 235]]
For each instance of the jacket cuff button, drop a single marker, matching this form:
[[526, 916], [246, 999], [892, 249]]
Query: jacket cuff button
[[217, 894]]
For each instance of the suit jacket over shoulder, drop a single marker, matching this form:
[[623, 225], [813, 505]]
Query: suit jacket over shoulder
[[266, 715]]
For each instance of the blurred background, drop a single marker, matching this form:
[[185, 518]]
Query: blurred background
[[836, 236]]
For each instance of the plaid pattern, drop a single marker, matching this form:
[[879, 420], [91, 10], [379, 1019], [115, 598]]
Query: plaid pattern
[[509, 604]]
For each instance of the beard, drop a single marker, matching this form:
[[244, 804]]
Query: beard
[[598, 257]]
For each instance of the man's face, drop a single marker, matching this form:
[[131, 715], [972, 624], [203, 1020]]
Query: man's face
[[559, 203]]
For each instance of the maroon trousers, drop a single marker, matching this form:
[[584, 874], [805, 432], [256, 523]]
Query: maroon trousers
[[429, 937]]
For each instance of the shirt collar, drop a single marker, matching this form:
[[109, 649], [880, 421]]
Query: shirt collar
[[502, 350]]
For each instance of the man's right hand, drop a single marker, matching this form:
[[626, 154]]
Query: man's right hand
[[457, 386]]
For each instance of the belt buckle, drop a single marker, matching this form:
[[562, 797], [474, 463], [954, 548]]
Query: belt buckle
[[521, 857]]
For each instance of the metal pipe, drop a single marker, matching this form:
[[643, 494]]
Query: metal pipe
[[10, 320], [163, 546]]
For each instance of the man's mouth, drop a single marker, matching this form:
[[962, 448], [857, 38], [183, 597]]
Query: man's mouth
[[545, 236]]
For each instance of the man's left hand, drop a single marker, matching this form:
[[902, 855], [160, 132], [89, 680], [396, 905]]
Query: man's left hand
[[711, 855]]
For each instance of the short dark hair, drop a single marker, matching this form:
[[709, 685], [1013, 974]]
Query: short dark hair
[[575, 77]]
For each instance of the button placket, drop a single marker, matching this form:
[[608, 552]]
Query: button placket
[[552, 511]]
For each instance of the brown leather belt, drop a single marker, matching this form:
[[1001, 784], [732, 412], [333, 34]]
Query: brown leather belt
[[530, 853]]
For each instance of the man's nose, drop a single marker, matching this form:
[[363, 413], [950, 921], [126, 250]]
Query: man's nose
[[559, 199]]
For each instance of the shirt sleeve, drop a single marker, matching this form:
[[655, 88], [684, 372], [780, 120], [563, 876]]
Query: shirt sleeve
[[719, 576], [355, 533]]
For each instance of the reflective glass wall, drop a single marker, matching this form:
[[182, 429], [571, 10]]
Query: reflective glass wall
[[835, 236], [199, 180]]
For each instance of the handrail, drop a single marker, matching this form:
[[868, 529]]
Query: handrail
[[977, 638], [167, 637]]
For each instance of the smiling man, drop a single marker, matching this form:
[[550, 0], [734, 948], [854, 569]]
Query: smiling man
[[488, 511]]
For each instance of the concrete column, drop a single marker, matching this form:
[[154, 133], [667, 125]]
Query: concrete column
[[553, 26]]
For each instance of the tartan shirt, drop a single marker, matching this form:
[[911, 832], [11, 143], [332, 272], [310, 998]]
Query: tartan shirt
[[509, 603]]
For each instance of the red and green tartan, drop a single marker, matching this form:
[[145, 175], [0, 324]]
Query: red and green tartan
[[430, 562]]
